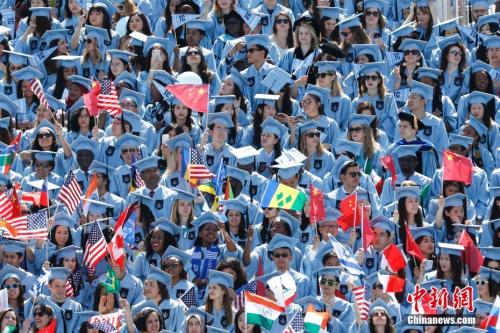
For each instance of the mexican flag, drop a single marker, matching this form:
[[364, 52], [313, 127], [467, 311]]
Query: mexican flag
[[261, 311], [315, 322]]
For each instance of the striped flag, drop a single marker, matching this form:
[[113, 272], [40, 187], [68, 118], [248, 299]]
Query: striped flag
[[70, 193], [6, 206], [70, 292], [189, 298], [31, 226], [196, 168], [91, 190], [107, 323], [9, 153], [251, 287], [96, 247], [108, 99], [37, 88], [135, 176], [361, 300]]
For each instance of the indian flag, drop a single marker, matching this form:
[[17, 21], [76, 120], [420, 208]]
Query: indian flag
[[315, 322], [6, 159], [261, 311]]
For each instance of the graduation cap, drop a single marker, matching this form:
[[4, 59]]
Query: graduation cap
[[106, 5], [69, 61], [454, 200], [52, 35], [199, 24], [378, 4], [183, 140], [332, 49], [379, 304], [168, 226], [84, 82], [348, 146], [83, 143], [83, 317], [128, 140], [384, 223], [281, 241], [234, 204], [424, 90], [478, 97], [54, 103], [185, 258], [317, 304], [490, 252], [412, 119], [331, 67], [404, 30], [433, 73], [99, 167], [8, 105], [40, 11], [489, 274], [479, 65], [491, 18], [135, 96], [163, 76], [5, 122], [203, 316], [291, 155], [482, 306], [475, 123], [158, 275], [238, 174], [331, 214], [39, 184], [8, 271], [339, 164], [361, 119], [212, 329], [17, 58], [271, 125], [223, 99], [481, 4], [447, 25], [245, 155], [123, 55], [261, 40], [292, 222], [220, 118], [307, 20], [133, 119], [221, 278], [330, 271], [276, 80], [100, 34], [404, 327], [239, 79], [454, 39], [266, 99], [367, 49], [147, 163], [126, 77], [322, 93], [349, 22], [43, 155], [68, 252], [423, 232], [26, 73], [453, 249], [98, 207], [331, 12], [59, 273], [464, 141], [183, 195], [205, 218], [287, 170], [373, 67], [407, 192]]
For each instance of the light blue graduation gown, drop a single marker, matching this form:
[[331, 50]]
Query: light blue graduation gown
[[385, 109]]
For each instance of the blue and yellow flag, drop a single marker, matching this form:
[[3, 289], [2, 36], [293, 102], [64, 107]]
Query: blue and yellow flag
[[281, 196]]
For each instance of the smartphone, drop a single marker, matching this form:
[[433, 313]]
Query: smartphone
[[164, 139], [300, 119], [428, 265], [156, 55]]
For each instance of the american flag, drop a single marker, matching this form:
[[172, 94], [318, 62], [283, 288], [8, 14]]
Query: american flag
[[136, 177], [95, 249], [70, 292], [297, 324], [108, 99], [70, 193], [37, 88], [239, 302], [189, 298], [6, 207], [74, 279], [196, 167], [107, 323], [362, 301], [31, 226]]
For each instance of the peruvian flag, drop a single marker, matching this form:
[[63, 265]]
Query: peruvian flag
[[391, 283], [116, 248], [392, 258]]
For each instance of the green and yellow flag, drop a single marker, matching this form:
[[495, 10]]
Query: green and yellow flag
[[111, 283], [281, 196]]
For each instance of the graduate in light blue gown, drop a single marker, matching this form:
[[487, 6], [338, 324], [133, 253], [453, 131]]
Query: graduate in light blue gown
[[94, 63], [451, 211], [30, 41], [255, 183], [375, 22], [183, 214], [217, 151], [234, 84], [272, 138], [413, 59], [27, 103], [266, 107], [17, 60], [177, 263], [16, 262], [479, 152], [225, 104], [218, 301], [178, 145], [42, 170]]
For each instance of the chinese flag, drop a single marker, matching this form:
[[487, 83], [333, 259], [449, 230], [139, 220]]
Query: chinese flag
[[90, 99], [317, 212], [348, 210], [194, 96], [457, 168], [49, 329], [472, 255], [411, 246], [16, 205], [388, 163], [392, 258]]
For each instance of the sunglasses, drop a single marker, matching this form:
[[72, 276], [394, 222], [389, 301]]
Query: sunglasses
[[354, 174], [370, 13], [12, 286], [268, 208], [252, 50], [44, 135], [282, 21], [328, 282], [481, 282], [355, 129], [280, 255], [168, 266], [129, 150], [379, 314], [313, 134], [41, 165], [345, 34], [39, 314], [456, 53], [414, 52], [323, 75], [192, 53], [371, 77]]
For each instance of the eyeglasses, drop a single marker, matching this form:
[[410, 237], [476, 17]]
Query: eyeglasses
[[129, 150], [481, 282], [280, 255], [323, 75], [88, 40], [41, 165], [371, 77], [313, 134], [354, 174], [282, 21], [355, 129], [345, 34], [267, 208], [306, 101], [39, 314], [169, 266], [328, 282], [379, 314], [252, 50], [370, 13], [414, 52], [192, 53], [12, 286], [44, 135], [456, 53]]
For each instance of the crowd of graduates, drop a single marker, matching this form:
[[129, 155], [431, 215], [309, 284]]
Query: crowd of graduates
[[338, 97]]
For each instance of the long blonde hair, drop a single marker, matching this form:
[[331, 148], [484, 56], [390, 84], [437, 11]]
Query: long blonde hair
[[320, 150], [314, 36]]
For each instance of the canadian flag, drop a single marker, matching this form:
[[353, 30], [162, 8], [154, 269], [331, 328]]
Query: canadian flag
[[392, 258], [391, 283], [116, 248]]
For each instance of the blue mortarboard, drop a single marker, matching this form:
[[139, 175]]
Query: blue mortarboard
[[185, 258], [454, 200], [245, 155], [101, 35], [361, 119], [8, 105], [202, 25], [238, 79], [163, 76], [308, 125], [331, 214], [485, 19], [330, 271], [331, 12], [271, 125], [123, 55], [221, 278], [133, 119], [291, 155], [266, 99], [379, 4], [328, 66], [4, 180], [367, 49], [151, 41], [454, 39], [433, 73], [84, 82], [339, 164], [54, 103], [183, 140], [482, 306], [147, 163], [18, 58], [478, 97], [373, 67], [98, 207], [83, 143], [289, 169], [205, 218], [464, 141], [479, 65], [8, 271], [221, 118], [310, 300], [454, 249], [384, 223], [489, 274], [379, 304], [406, 150], [158, 275], [234, 204], [404, 30], [476, 4], [127, 78], [44, 124], [492, 42], [106, 5], [69, 252], [11, 246], [166, 225], [349, 22], [224, 99], [324, 249], [203, 316], [128, 140], [183, 195], [404, 327], [26, 73], [424, 90], [437, 283], [281, 241], [407, 192], [212, 329], [238, 174], [51, 35], [348, 146], [69, 61], [138, 39], [276, 80], [63, 219], [261, 40], [59, 273], [77, 105], [423, 231], [249, 16], [135, 96], [292, 222], [5, 122], [412, 44], [480, 128], [99, 167], [490, 252], [447, 25], [43, 155], [322, 93], [40, 11]]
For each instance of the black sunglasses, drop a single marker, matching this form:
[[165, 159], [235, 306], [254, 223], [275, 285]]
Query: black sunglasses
[[328, 282], [313, 134], [252, 50], [414, 52], [192, 53], [354, 174], [282, 21], [371, 77], [282, 255], [370, 13], [323, 75], [44, 135], [355, 129]]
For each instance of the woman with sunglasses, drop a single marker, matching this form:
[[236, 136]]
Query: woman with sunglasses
[[94, 62], [194, 61], [43, 317], [379, 320], [422, 12], [487, 284], [413, 59], [15, 294], [351, 32], [177, 263], [372, 89], [282, 35], [374, 23], [319, 159]]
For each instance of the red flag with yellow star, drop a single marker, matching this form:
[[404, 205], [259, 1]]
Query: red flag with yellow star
[[317, 211], [457, 168], [194, 96]]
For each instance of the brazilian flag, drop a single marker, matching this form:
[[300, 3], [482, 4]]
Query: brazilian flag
[[281, 196]]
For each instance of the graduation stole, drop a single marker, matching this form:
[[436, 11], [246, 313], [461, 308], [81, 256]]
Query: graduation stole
[[367, 168], [210, 261]]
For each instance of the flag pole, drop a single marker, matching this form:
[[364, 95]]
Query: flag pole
[[362, 222], [355, 217]]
